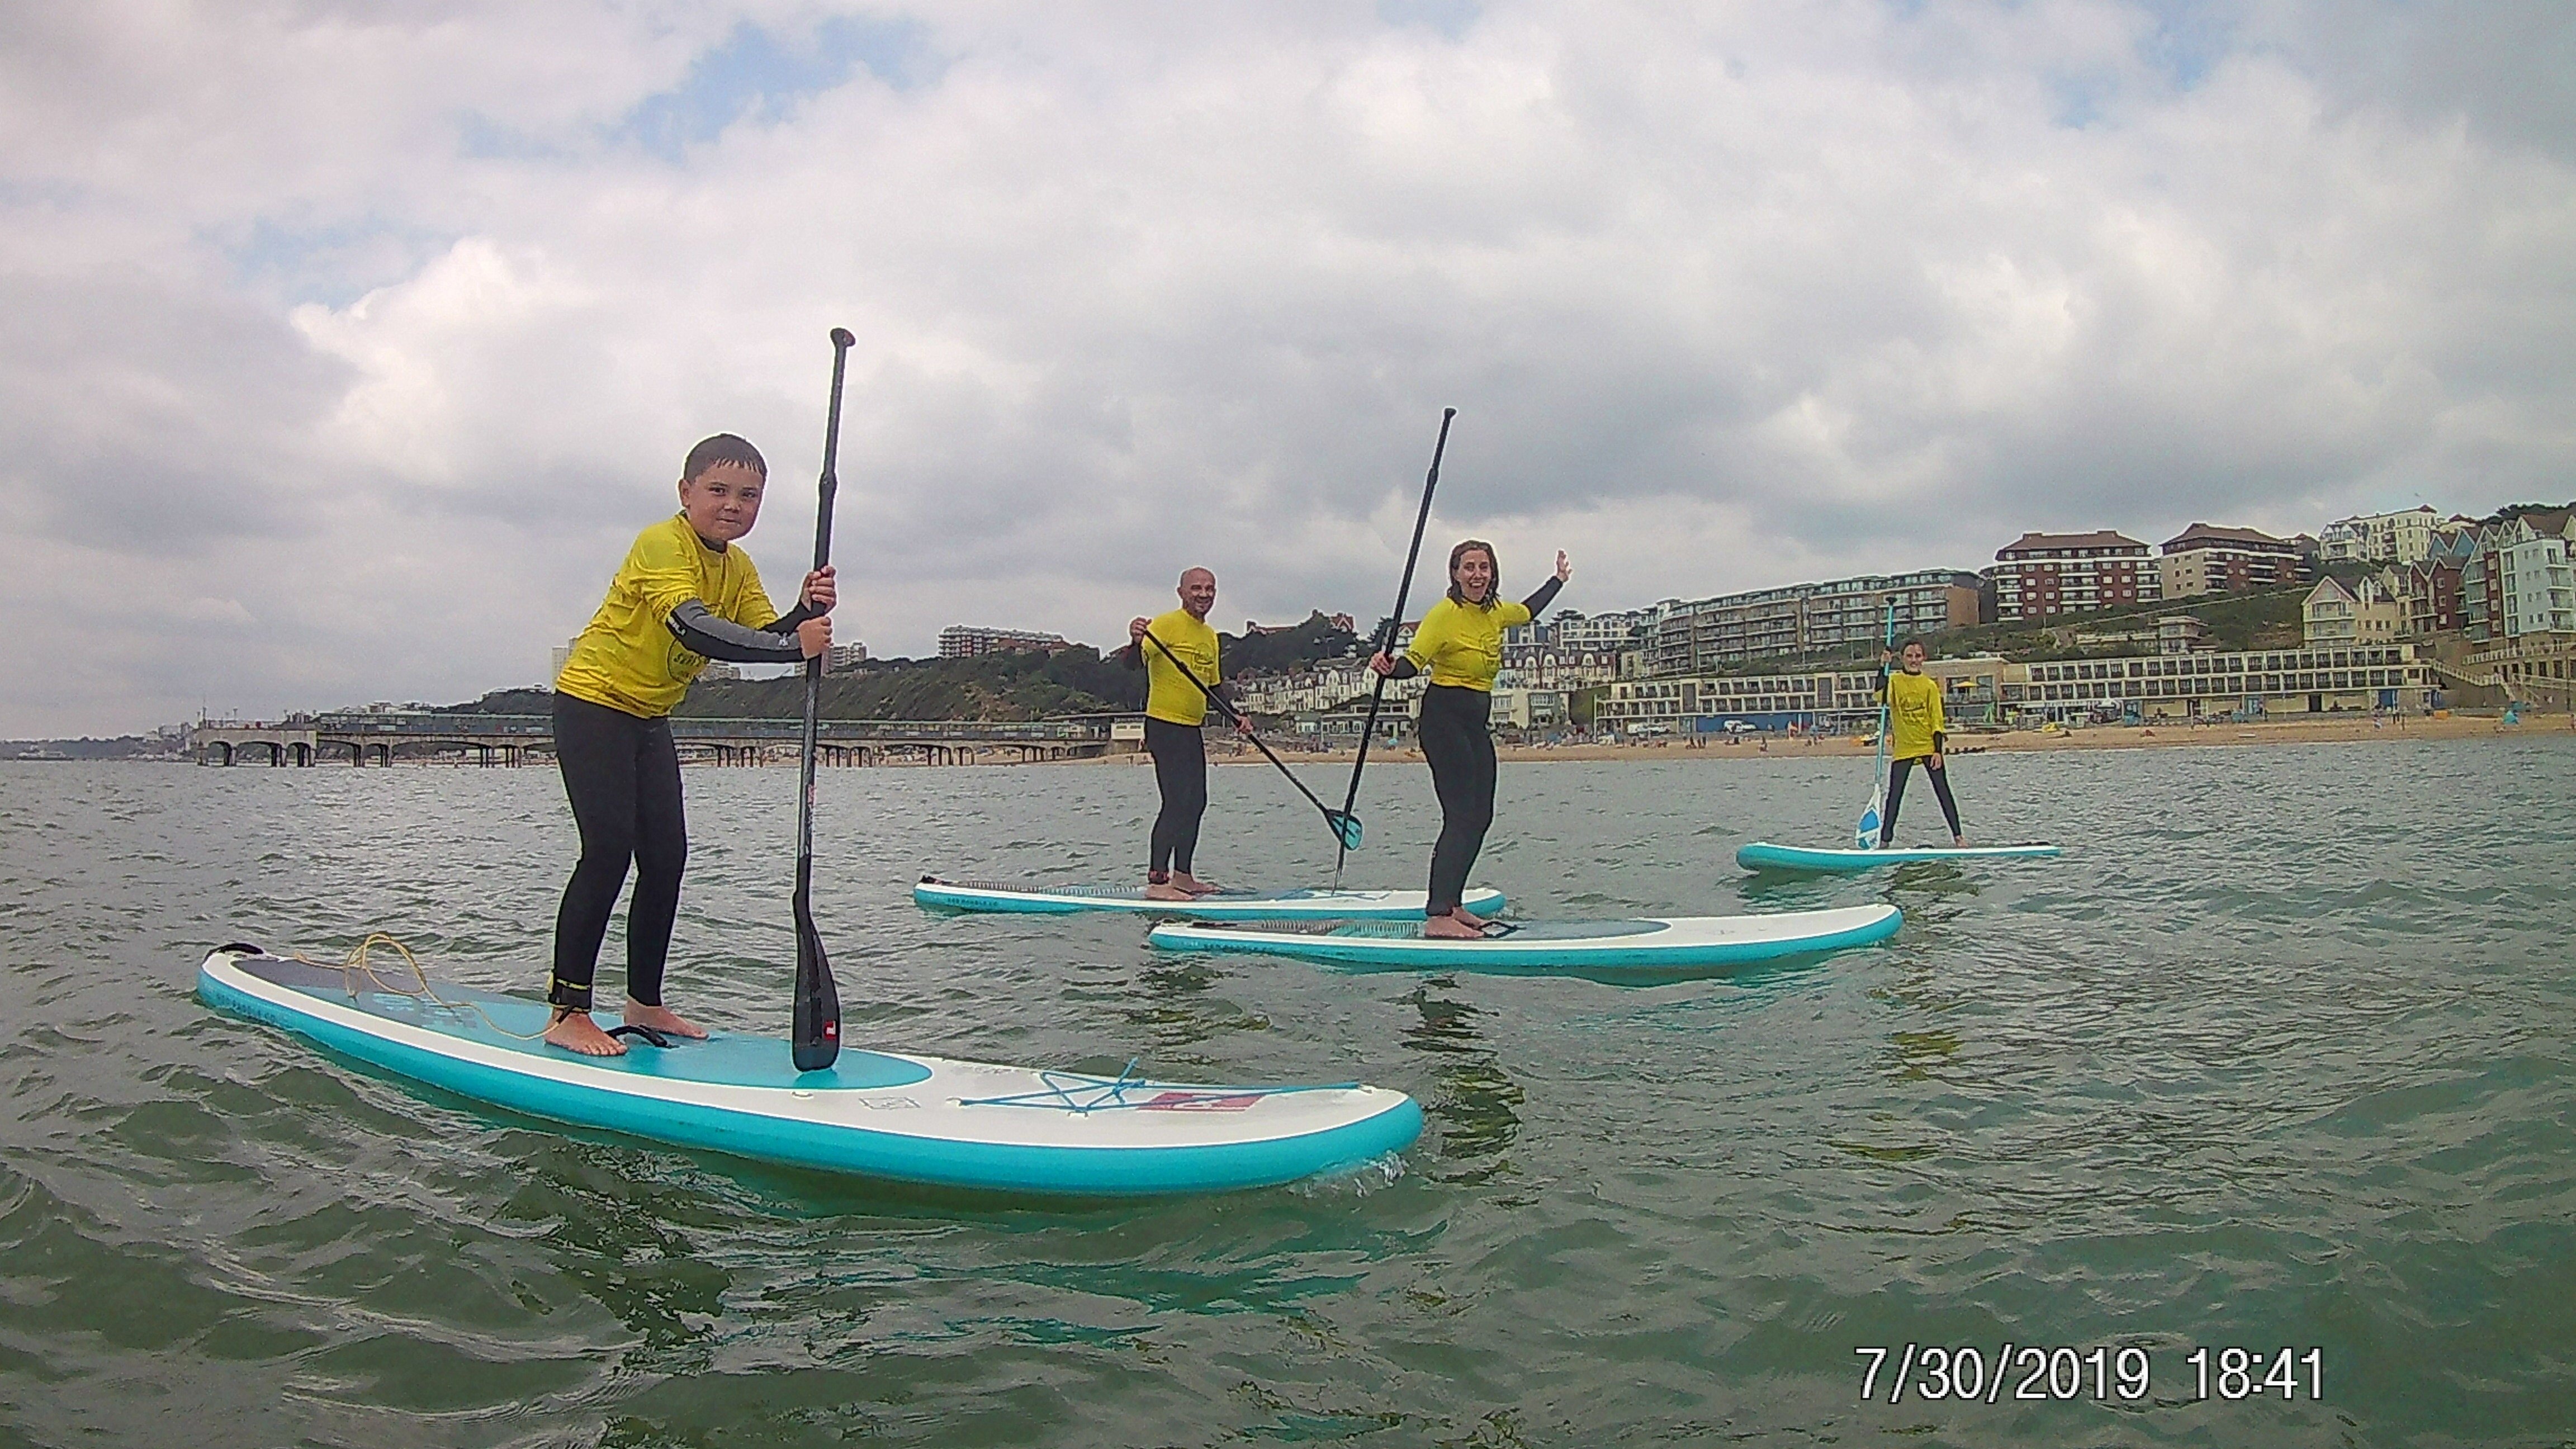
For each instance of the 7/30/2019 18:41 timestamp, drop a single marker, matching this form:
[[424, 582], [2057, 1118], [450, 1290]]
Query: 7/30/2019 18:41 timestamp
[[1933, 1373]]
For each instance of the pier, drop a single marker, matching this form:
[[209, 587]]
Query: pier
[[368, 737]]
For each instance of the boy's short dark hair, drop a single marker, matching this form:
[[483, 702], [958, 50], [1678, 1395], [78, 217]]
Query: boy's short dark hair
[[724, 448]]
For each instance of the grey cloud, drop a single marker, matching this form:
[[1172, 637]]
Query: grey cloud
[[144, 414], [1726, 298]]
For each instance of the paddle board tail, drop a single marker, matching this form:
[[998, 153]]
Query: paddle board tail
[[1650, 945], [1289, 905], [1763, 855]]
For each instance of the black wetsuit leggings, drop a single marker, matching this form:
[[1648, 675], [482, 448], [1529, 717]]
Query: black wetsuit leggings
[[1180, 772], [624, 779], [1940, 779], [1460, 747]]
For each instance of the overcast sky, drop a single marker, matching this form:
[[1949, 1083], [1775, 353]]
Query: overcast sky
[[348, 345]]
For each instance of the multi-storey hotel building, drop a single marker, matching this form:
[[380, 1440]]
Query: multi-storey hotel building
[[2382, 538], [965, 641], [1707, 635], [2040, 574], [2203, 559]]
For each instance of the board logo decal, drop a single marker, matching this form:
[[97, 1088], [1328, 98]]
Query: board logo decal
[[1200, 1101]]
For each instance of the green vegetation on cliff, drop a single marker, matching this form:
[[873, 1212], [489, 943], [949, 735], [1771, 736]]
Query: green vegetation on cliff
[[988, 687]]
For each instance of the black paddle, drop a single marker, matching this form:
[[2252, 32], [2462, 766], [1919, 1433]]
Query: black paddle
[[816, 1042], [1386, 635], [1344, 825]]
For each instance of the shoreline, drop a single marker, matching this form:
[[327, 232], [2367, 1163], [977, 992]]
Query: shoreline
[[2169, 735]]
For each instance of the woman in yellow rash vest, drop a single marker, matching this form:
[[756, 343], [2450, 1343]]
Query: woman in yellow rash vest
[[1914, 733], [1461, 642], [684, 595]]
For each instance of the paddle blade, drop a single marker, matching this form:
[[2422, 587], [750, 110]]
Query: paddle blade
[[1865, 833], [816, 1042], [1346, 828]]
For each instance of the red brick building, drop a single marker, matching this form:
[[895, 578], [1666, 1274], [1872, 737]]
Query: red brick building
[[2040, 574]]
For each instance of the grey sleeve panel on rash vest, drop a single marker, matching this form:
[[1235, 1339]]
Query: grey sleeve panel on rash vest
[[701, 632], [786, 623]]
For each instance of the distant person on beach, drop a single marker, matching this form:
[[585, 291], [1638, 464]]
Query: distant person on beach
[[683, 596], [1461, 642], [1180, 664], [1915, 734]]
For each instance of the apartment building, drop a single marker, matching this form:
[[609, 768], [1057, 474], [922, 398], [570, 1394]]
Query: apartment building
[[2339, 616], [2043, 574], [1822, 699], [2429, 591], [1706, 636], [2207, 559], [965, 641], [2517, 581], [2380, 538]]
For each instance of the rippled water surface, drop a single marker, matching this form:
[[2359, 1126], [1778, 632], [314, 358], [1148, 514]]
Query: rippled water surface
[[2279, 1055]]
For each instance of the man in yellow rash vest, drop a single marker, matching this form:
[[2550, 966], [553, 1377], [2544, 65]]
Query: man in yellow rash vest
[[684, 595], [1914, 732], [1460, 641], [1175, 707]]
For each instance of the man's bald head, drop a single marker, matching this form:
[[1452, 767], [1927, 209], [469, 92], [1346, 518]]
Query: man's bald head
[[1198, 591]]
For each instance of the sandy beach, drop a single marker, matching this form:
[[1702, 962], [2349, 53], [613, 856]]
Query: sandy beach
[[2317, 730]]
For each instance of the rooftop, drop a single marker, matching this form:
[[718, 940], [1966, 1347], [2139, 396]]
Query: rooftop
[[2100, 538], [2208, 533]]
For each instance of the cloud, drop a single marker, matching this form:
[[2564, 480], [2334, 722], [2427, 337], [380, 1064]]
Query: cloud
[[391, 324]]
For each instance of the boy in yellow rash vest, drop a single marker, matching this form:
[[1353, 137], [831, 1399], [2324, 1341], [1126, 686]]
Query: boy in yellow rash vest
[[684, 595], [1914, 733], [1175, 707]]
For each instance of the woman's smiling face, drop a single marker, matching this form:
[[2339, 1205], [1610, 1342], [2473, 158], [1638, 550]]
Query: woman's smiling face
[[1474, 575]]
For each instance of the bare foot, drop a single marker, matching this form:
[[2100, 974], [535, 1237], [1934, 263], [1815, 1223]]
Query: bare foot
[[1451, 928], [574, 1031], [1194, 885], [662, 1019], [1461, 913], [1958, 842], [1158, 891]]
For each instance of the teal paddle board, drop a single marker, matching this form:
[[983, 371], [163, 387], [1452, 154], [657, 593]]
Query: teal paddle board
[[1763, 855], [1546, 947], [889, 1115], [1290, 905]]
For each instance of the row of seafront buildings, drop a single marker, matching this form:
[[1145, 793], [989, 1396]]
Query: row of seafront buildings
[[2438, 602], [2435, 602]]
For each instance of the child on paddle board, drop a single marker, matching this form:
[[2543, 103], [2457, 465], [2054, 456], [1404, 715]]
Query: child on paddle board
[[684, 595], [1915, 735], [1176, 704], [1460, 641]]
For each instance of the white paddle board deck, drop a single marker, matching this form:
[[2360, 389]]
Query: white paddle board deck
[[1763, 855], [1290, 905], [1548, 946], [887, 1115]]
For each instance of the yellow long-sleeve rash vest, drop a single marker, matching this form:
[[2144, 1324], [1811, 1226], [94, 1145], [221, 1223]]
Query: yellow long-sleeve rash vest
[[626, 657]]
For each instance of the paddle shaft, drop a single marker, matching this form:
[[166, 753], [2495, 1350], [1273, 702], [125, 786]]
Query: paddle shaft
[[814, 1039], [1230, 713], [1878, 786], [1395, 621], [825, 490]]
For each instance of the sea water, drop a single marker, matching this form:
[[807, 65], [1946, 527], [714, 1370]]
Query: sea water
[[2251, 1120]]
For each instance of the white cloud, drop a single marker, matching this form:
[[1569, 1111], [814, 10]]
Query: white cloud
[[390, 325]]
